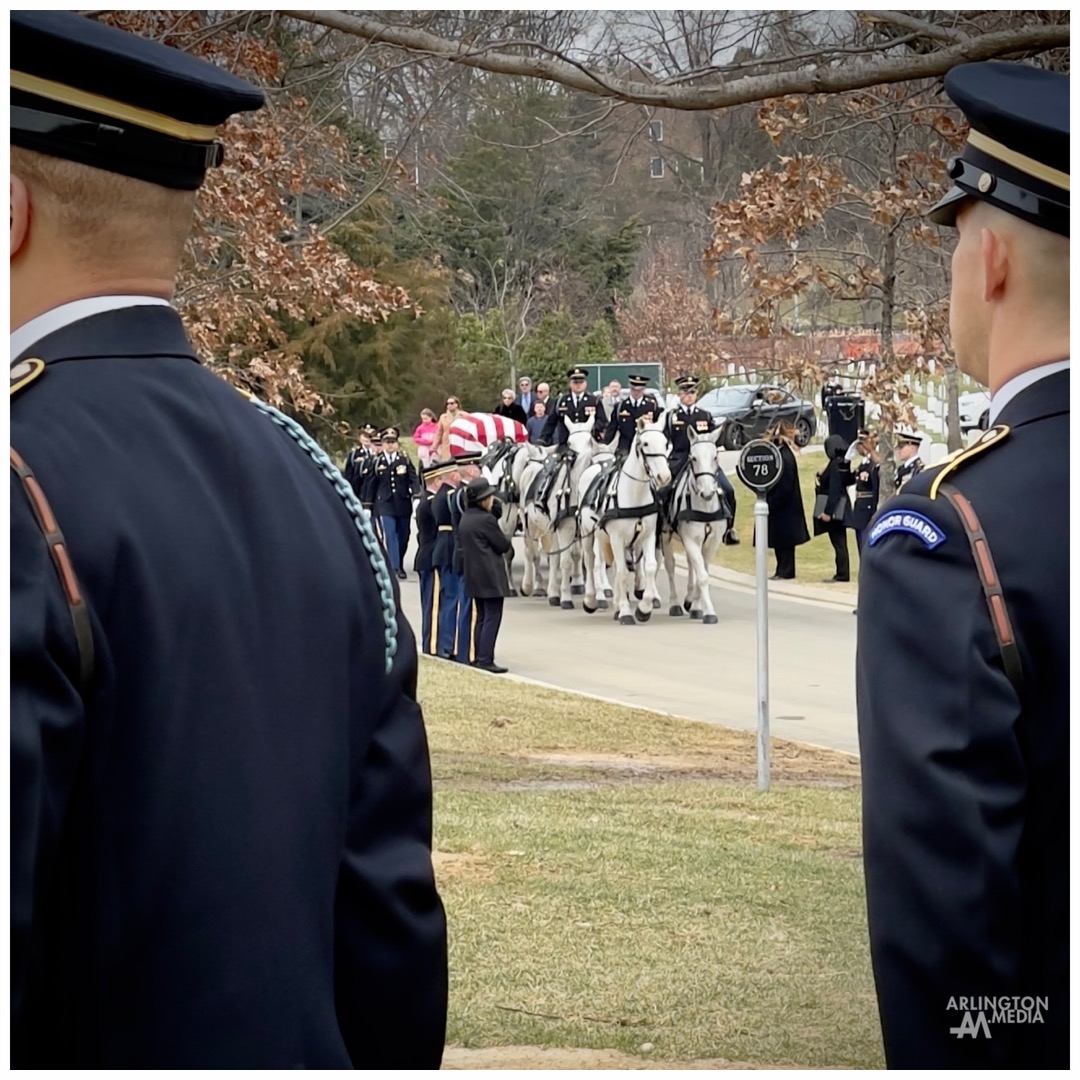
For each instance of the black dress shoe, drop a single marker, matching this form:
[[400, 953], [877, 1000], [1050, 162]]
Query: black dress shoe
[[492, 669], [401, 574], [836, 577]]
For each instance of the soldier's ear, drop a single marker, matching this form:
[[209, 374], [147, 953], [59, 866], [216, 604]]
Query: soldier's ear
[[19, 215]]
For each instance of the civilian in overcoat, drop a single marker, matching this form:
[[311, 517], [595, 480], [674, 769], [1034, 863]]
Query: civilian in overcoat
[[787, 518]]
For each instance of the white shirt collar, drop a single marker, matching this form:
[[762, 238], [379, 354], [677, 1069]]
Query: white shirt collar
[[1020, 382], [42, 326]]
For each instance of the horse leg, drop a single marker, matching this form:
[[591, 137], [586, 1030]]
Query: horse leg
[[706, 551], [528, 578], [564, 538], [622, 581], [587, 556], [669, 565], [700, 602], [577, 587], [648, 575]]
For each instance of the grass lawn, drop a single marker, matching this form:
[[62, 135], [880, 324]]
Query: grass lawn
[[814, 562], [613, 879]]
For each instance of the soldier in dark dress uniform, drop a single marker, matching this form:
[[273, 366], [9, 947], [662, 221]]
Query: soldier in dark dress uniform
[[219, 784], [395, 485], [867, 472], [908, 441], [356, 461], [427, 534], [577, 404], [963, 645], [447, 584], [624, 418], [468, 468]]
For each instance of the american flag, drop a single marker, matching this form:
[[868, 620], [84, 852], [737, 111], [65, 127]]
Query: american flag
[[472, 433]]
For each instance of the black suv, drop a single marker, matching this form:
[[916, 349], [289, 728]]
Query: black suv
[[746, 411]]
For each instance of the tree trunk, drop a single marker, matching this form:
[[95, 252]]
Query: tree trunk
[[952, 413], [888, 354]]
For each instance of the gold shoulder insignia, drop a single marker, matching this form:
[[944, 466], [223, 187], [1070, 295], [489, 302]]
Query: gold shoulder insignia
[[24, 373], [949, 464]]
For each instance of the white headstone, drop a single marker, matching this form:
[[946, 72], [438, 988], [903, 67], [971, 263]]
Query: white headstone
[[935, 452]]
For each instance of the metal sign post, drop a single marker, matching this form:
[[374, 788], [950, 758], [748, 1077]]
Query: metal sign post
[[760, 466]]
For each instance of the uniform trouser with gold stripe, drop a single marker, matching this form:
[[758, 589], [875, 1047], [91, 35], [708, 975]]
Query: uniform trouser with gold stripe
[[466, 628], [445, 610], [427, 607]]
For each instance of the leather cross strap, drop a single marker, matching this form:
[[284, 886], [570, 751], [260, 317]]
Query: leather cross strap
[[46, 520], [991, 584]]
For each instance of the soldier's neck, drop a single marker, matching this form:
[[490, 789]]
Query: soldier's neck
[[29, 302], [1024, 344]]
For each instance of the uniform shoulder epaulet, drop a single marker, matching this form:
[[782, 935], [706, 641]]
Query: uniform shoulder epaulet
[[24, 373], [952, 462]]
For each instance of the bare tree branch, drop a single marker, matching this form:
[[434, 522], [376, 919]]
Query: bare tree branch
[[737, 91]]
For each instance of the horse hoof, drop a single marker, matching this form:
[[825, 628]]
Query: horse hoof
[[539, 592], [675, 611], [686, 605], [577, 590], [655, 602], [567, 605], [642, 616], [639, 593], [710, 620], [513, 592], [695, 614], [554, 601], [588, 610], [626, 620], [615, 615], [609, 593], [602, 603]]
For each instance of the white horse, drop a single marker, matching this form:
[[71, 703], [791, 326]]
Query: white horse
[[550, 523], [526, 467], [624, 526], [699, 516]]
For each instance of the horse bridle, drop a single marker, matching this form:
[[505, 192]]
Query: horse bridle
[[648, 477]]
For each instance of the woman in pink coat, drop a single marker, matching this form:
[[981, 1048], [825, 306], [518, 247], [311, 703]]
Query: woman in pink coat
[[424, 435]]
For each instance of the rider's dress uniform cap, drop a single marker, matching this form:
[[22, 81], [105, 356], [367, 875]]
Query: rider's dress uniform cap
[[89, 93]]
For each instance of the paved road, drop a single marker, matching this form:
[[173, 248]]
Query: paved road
[[688, 669]]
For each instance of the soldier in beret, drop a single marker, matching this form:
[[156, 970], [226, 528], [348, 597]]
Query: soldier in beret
[[394, 487], [219, 780], [577, 405], [963, 636]]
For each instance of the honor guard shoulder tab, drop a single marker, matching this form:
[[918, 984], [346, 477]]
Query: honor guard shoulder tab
[[24, 373], [951, 463]]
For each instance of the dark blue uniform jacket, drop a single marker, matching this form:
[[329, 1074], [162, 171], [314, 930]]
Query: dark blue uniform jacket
[[965, 780], [219, 855]]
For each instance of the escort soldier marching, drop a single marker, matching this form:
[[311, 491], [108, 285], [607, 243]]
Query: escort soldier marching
[[447, 584], [358, 465], [908, 441], [394, 486], [963, 651], [468, 468], [219, 780], [576, 405], [623, 422]]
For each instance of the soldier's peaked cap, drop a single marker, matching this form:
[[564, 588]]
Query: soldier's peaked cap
[[905, 434], [1017, 153], [686, 383], [638, 380], [93, 94], [577, 373]]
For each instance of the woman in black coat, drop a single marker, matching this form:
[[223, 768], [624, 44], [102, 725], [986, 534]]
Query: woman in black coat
[[787, 518], [831, 505], [482, 548]]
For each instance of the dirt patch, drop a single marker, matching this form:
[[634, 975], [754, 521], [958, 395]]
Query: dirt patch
[[792, 763], [460, 866], [543, 1057]]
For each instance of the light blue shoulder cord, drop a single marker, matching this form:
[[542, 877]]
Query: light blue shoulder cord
[[359, 515]]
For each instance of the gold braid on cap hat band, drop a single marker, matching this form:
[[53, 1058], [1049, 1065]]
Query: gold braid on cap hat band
[[1018, 160], [115, 110]]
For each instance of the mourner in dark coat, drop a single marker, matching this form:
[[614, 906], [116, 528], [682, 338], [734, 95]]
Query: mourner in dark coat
[[395, 486], [831, 504], [867, 474], [482, 548], [577, 404], [963, 662], [220, 792], [509, 408], [787, 518], [427, 534]]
